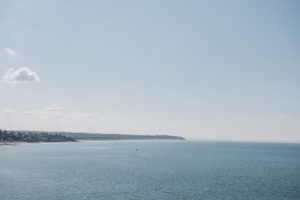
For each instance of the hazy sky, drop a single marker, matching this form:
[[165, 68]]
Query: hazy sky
[[199, 69]]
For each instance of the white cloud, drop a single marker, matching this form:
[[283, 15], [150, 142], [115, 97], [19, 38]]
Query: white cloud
[[284, 116], [30, 113], [56, 118], [8, 112], [93, 115], [74, 115], [51, 111], [57, 111], [54, 107], [23, 74], [80, 115], [10, 52]]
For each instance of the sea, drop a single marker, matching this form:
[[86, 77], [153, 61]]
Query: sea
[[150, 170]]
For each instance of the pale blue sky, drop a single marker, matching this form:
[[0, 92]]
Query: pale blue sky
[[200, 69]]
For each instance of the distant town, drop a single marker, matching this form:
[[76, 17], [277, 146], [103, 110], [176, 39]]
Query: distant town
[[9, 136]]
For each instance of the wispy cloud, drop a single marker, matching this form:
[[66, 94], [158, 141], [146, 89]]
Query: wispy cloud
[[52, 117], [56, 118], [54, 107], [23, 74], [284, 116], [10, 52], [52, 110], [8, 112]]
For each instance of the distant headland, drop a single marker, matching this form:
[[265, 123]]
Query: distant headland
[[9, 136]]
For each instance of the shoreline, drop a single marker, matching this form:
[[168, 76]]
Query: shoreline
[[17, 143], [10, 143]]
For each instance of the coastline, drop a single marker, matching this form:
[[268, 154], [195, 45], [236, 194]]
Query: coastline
[[40, 142], [10, 143]]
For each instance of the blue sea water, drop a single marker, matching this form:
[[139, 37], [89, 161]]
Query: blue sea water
[[167, 170]]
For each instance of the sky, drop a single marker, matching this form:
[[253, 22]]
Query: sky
[[208, 70]]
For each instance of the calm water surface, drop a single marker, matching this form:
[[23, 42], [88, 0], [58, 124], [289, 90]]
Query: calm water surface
[[166, 170]]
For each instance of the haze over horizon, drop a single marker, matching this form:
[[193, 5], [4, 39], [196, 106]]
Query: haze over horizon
[[198, 69]]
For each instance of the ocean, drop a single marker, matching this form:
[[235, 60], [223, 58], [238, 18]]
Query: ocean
[[144, 170]]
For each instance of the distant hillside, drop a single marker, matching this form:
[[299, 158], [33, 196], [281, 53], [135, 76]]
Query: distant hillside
[[94, 136], [32, 136], [42, 136]]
